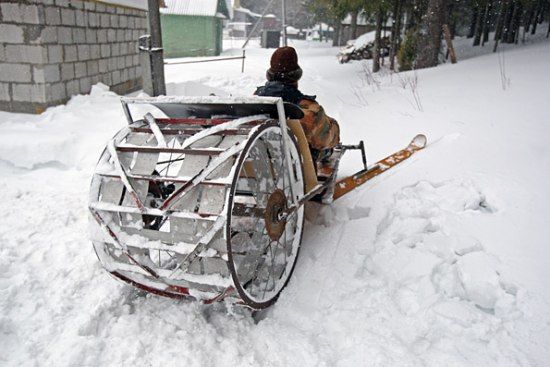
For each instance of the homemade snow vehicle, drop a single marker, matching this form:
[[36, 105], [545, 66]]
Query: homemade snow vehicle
[[206, 199]]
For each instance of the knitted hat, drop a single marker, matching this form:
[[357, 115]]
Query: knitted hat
[[284, 66]]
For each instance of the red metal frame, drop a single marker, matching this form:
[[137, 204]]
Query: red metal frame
[[187, 131], [192, 121], [177, 291], [200, 121], [180, 292]]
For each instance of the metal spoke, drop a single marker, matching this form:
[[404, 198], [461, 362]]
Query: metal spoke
[[170, 161], [260, 253], [273, 171], [271, 268], [256, 182], [282, 170], [261, 269], [284, 252], [252, 275], [275, 257], [268, 166]]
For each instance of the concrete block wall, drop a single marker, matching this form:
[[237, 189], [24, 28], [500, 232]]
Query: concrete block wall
[[53, 49]]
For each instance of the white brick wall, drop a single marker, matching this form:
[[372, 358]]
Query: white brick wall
[[11, 33], [26, 54], [52, 49], [15, 73], [4, 92]]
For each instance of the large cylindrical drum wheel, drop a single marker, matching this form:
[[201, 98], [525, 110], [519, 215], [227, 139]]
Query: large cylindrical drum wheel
[[264, 229]]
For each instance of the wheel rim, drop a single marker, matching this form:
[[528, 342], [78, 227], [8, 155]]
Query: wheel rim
[[262, 246]]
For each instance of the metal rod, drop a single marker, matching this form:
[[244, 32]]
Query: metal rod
[[189, 131], [168, 179], [360, 146], [107, 207], [207, 60], [286, 145], [147, 149], [317, 190], [284, 22], [127, 113], [363, 154]]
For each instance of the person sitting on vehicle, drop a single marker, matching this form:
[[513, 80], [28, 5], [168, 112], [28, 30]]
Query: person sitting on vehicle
[[322, 132]]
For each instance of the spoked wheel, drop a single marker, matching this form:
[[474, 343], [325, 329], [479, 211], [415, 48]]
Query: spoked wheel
[[263, 236]]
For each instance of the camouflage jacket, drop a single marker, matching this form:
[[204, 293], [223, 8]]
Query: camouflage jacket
[[322, 132]]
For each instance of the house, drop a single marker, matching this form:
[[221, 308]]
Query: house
[[364, 25], [244, 20], [192, 27], [50, 51], [320, 31]]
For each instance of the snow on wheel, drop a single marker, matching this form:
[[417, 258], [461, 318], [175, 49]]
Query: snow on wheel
[[200, 205], [263, 243]]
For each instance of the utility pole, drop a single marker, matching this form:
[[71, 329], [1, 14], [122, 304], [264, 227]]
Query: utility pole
[[155, 85], [284, 22]]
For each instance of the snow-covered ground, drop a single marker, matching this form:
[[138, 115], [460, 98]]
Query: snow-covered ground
[[443, 261]]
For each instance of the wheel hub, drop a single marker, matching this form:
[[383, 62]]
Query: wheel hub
[[274, 219]]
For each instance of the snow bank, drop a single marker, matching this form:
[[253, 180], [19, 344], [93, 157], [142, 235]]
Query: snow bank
[[73, 135], [70, 135], [364, 39]]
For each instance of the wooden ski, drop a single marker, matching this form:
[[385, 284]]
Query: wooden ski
[[347, 184]]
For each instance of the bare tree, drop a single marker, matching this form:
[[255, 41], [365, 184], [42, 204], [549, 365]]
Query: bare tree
[[504, 5], [478, 31], [429, 43], [336, 38], [473, 21], [376, 53], [508, 34], [487, 22], [395, 31], [537, 14], [516, 23], [353, 25]]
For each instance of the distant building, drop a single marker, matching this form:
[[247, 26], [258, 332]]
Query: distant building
[[50, 50], [243, 21], [193, 28], [270, 22], [318, 31], [363, 26], [294, 33]]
